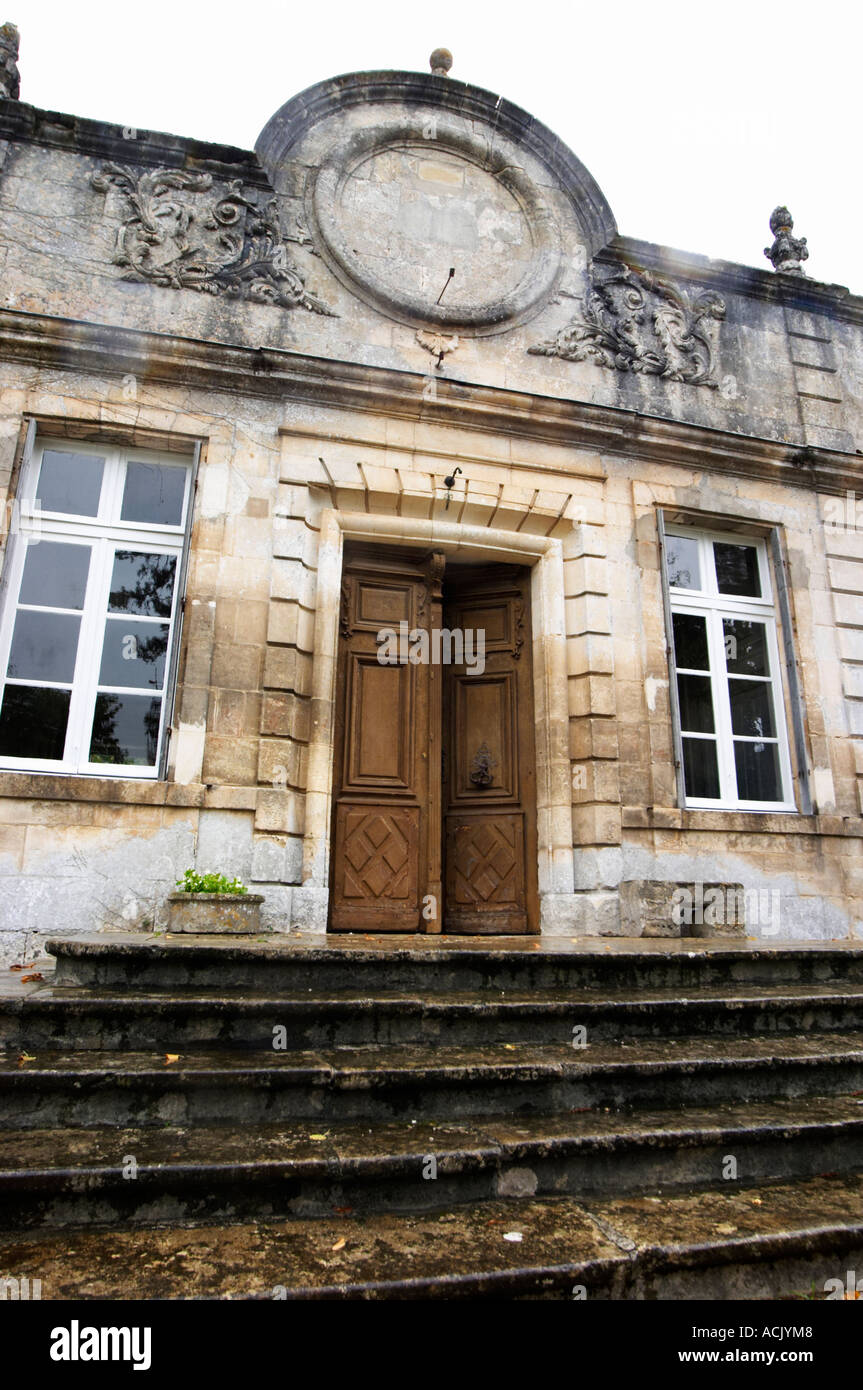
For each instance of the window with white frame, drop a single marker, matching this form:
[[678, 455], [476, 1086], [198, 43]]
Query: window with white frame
[[733, 740], [90, 609]]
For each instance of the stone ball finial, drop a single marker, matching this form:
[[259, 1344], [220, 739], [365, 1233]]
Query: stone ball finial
[[440, 62], [781, 221]]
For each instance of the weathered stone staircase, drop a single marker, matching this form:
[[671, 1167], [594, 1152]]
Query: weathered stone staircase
[[392, 1119]]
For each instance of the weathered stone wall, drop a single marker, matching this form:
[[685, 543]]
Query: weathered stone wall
[[787, 362], [306, 415]]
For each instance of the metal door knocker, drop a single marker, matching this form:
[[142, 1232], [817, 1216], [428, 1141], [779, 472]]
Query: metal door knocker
[[481, 767]]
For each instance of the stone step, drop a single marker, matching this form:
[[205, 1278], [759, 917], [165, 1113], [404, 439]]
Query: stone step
[[419, 1081], [58, 1018], [80, 1176], [758, 1242], [293, 964]]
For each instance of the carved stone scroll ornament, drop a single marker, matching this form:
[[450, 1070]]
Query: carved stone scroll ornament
[[634, 321], [226, 244]]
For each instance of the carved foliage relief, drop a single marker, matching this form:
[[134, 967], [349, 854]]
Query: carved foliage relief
[[226, 243], [635, 321]]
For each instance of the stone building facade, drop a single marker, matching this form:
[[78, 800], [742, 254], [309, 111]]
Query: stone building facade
[[402, 340]]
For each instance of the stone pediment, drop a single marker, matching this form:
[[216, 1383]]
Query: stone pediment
[[440, 204]]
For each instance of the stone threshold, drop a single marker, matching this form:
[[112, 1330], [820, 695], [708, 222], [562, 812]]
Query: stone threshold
[[391, 943]]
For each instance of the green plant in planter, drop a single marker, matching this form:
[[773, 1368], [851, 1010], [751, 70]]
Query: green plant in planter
[[193, 882]]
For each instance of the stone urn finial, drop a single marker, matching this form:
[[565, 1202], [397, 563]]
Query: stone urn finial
[[440, 62], [10, 78], [787, 251]]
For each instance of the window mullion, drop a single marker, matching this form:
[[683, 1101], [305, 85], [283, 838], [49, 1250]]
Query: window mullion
[[722, 706], [89, 656]]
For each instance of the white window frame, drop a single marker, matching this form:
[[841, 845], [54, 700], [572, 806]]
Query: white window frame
[[709, 603], [105, 532]]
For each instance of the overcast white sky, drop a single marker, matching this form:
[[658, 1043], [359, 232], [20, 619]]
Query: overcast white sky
[[695, 120]]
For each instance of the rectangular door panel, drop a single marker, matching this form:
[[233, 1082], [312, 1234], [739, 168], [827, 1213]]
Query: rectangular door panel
[[379, 745], [485, 750]]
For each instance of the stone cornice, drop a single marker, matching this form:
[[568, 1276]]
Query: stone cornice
[[790, 291], [74, 345], [102, 140]]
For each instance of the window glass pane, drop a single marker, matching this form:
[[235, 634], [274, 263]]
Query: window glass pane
[[142, 583], [681, 562], [696, 706], [134, 654], [70, 483], [700, 771], [55, 575], [745, 647], [737, 569], [690, 641], [33, 722], [125, 730], [752, 708], [153, 493], [757, 771], [44, 646]]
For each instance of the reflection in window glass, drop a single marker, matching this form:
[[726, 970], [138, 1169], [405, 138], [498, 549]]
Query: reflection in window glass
[[142, 583], [737, 569], [700, 771], [681, 560], [125, 730], [690, 642], [70, 483], [33, 722], [55, 575], [745, 647], [696, 704], [751, 708], [133, 654], [153, 494], [44, 646], [757, 767]]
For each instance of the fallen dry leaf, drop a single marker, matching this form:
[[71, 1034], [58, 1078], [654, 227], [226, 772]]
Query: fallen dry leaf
[[23, 967], [26, 1057], [25, 979], [172, 1056], [318, 1137], [340, 1243], [342, 1211]]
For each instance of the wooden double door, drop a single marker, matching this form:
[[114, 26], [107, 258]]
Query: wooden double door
[[434, 806]]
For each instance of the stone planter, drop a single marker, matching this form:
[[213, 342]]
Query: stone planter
[[210, 914]]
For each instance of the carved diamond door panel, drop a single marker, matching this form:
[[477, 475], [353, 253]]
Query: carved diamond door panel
[[377, 869], [380, 843], [485, 888], [489, 777]]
